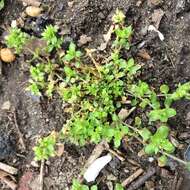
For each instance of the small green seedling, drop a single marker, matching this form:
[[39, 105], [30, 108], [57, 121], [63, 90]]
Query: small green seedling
[[16, 39], [50, 36], [158, 141], [45, 147], [73, 54], [118, 17], [2, 4], [77, 186]]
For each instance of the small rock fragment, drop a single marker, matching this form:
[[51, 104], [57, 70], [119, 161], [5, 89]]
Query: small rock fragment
[[35, 164], [71, 3], [7, 55], [123, 114], [6, 106], [84, 39], [33, 11], [153, 2], [60, 150]]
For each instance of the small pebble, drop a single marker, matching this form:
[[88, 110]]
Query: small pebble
[[6, 106]]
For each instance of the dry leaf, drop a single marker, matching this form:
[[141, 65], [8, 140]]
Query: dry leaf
[[123, 114], [144, 54], [157, 16], [60, 150]]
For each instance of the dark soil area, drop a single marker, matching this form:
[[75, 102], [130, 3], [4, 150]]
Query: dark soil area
[[169, 63]]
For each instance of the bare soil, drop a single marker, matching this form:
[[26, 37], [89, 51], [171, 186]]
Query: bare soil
[[169, 64]]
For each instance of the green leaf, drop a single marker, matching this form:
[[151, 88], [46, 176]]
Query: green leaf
[[2, 4], [162, 132], [150, 149], [162, 114], [164, 89], [94, 187], [145, 134], [138, 121], [162, 161], [118, 17], [118, 187], [167, 146]]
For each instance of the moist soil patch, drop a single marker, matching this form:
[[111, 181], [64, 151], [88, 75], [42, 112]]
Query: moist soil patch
[[169, 63]]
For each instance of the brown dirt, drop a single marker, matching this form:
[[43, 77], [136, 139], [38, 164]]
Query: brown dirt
[[169, 64]]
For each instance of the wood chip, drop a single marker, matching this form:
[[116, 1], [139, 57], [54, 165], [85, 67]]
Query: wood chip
[[8, 169], [84, 39], [153, 2], [157, 17], [4, 178], [60, 149], [139, 182], [6, 106], [132, 177], [107, 38], [144, 54]]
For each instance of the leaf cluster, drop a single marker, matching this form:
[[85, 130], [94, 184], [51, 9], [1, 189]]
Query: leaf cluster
[[51, 37], [16, 39], [45, 147]]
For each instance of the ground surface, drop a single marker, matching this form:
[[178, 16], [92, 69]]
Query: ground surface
[[169, 63]]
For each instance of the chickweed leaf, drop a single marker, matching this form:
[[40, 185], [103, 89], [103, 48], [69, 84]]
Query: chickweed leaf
[[164, 89], [145, 134], [118, 17]]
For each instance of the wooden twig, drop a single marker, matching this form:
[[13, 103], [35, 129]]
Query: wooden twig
[[18, 131], [5, 179], [131, 178], [138, 183], [116, 154], [8, 169], [42, 175]]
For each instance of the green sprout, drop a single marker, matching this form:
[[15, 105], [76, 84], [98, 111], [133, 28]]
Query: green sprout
[[50, 36], [16, 39], [2, 4], [45, 147]]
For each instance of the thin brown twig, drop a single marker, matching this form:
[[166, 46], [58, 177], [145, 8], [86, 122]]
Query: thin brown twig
[[132, 177], [18, 131], [42, 175]]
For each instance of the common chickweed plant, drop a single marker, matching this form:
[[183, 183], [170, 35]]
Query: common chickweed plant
[[51, 37], [16, 39], [95, 91]]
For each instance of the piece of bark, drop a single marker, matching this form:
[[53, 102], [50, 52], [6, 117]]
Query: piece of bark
[[4, 177], [8, 169], [138, 183], [132, 177]]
